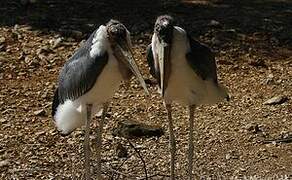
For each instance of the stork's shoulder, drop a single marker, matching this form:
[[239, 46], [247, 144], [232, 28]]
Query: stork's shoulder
[[195, 46], [78, 76], [180, 40], [179, 34], [201, 58], [199, 47], [95, 46], [99, 42]]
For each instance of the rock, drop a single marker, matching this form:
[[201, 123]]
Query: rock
[[254, 128], [215, 41], [4, 163], [131, 129], [27, 59], [227, 156], [40, 112], [2, 120], [285, 134], [2, 40], [258, 63], [15, 34], [276, 100], [57, 43], [121, 151], [270, 79], [44, 49], [232, 155], [2, 47], [214, 23]]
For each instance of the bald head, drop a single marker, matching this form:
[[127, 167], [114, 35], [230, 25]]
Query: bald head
[[164, 27], [117, 32]]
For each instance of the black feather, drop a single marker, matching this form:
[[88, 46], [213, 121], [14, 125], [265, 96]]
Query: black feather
[[150, 61], [80, 72], [56, 102], [202, 60]]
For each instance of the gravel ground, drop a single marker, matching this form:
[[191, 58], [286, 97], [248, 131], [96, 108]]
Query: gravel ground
[[244, 138]]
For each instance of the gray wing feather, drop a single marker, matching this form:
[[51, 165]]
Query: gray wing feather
[[80, 72], [202, 60]]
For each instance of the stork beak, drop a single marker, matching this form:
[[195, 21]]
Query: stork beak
[[127, 53], [164, 53]]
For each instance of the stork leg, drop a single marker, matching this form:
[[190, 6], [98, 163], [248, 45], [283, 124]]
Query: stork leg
[[99, 140], [191, 142], [87, 142], [172, 141]]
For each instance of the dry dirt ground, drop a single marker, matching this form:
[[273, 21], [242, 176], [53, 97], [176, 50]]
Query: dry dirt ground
[[252, 40]]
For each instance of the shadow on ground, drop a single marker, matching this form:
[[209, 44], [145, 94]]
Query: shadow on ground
[[267, 18]]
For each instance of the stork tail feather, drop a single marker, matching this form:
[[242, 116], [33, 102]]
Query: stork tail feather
[[56, 102], [215, 93], [67, 117]]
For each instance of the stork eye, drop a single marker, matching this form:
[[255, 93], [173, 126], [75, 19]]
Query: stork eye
[[117, 34]]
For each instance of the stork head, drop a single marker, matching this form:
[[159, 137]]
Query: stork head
[[163, 29], [119, 39], [164, 26]]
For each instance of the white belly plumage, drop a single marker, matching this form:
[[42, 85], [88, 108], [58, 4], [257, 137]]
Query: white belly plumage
[[69, 115], [106, 85], [186, 87]]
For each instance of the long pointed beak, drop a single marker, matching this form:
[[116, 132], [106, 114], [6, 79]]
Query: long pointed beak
[[163, 61], [127, 53]]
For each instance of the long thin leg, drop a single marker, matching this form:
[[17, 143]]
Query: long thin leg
[[99, 140], [172, 141], [87, 142], [191, 142]]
